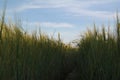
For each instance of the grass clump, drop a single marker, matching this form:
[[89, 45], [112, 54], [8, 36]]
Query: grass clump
[[33, 57], [30, 57], [99, 55]]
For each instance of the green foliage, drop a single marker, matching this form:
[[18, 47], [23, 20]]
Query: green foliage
[[30, 57], [99, 56], [33, 57]]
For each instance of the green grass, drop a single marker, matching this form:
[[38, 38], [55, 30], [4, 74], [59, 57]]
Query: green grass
[[99, 55], [30, 57], [39, 57]]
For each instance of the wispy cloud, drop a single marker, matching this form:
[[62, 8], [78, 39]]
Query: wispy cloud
[[49, 24], [33, 4], [84, 8], [61, 4], [92, 13], [57, 25], [74, 7], [37, 6]]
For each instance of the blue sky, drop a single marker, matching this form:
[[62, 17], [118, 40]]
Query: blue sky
[[69, 17]]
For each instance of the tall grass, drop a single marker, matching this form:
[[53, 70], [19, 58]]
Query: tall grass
[[99, 55], [38, 57], [30, 57]]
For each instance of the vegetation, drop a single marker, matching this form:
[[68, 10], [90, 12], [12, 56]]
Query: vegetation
[[30, 57], [99, 55], [38, 57]]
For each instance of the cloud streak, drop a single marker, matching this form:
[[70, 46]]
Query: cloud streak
[[39, 4], [57, 25], [91, 13], [74, 7], [61, 4], [49, 24]]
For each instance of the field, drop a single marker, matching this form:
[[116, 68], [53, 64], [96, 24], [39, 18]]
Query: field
[[39, 57]]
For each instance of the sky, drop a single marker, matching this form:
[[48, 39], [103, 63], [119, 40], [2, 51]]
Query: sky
[[70, 18]]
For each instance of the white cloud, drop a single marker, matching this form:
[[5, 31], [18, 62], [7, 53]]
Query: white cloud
[[66, 35], [91, 13], [57, 25], [60, 4], [31, 24], [38, 6], [49, 24], [74, 7]]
